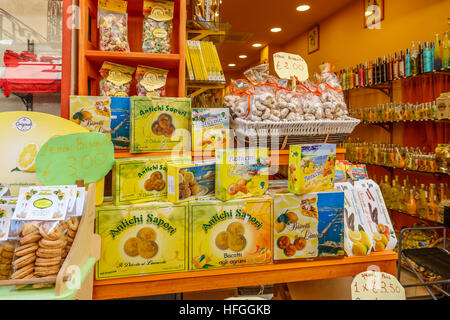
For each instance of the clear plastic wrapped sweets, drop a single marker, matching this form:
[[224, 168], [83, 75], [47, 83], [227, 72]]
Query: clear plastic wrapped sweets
[[116, 80], [113, 25], [157, 29], [151, 82]]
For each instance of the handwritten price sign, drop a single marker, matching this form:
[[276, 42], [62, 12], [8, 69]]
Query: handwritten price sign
[[63, 160], [288, 65], [374, 285]]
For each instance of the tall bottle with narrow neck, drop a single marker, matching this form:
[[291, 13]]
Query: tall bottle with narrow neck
[[437, 53], [446, 52]]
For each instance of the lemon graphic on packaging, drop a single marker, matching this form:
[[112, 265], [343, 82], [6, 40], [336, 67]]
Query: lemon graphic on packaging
[[27, 158], [43, 203], [384, 239], [355, 236], [359, 249], [365, 240]]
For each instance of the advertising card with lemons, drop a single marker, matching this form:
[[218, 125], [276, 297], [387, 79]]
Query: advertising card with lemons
[[230, 234], [92, 113], [23, 134], [358, 235], [141, 239]]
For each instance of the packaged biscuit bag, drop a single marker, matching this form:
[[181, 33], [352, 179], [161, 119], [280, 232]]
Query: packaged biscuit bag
[[311, 167], [190, 181], [113, 25], [210, 129], [151, 82], [373, 208], [116, 79], [92, 113], [160, 124], [158, 25], [141, 239], [308, 226], [230, 234], [142, 179], [358, 235], [241, 173]]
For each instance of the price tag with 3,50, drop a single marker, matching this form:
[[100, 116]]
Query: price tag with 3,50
[[288, 65], [375, 285], [63, 160]]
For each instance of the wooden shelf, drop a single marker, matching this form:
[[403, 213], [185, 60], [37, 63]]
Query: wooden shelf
[[243, 276], [131, 58], [414, 216], [406, 170]]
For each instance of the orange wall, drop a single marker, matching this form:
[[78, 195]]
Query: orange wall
[[345, 42]]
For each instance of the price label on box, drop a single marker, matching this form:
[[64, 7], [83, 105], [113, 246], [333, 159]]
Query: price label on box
[[374, 285], [288, 65], [63, 160]]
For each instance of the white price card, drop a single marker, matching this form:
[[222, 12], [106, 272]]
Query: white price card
[[375, 285], [288, 65]]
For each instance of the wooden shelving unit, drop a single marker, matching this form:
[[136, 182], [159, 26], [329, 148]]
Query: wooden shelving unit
[[91, 58], [242, 276]]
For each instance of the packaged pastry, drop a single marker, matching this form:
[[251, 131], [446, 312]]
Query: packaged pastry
[[151, 82], [7, 248], [210, 129], [190, 181], [141, 239], [157, 29], [120, 122], [241, 173], [308, 226], [93, 113], [311, 167], [142, 179], [230, 234], [160, 124], [116, 80], [357, 233], [113, 25]]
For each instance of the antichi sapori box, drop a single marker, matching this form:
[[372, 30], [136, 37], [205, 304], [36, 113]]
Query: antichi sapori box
[[160, 124], [141, 239], [229, 234]]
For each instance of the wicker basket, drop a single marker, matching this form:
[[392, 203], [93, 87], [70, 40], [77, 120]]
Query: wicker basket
[[293, 132]]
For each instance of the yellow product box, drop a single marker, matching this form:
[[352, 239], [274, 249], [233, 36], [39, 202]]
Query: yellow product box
[[210, 129], [160, 124], [308, 226], [92, 113], [141, 239], [241, 173], [142, 179], [230, 234], [190, 181], [311, 167]]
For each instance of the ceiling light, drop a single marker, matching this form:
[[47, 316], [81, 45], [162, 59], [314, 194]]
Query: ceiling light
[[303, 7], [232, 65], [275, 29], [369, 13], [257, 45], [242, 56]]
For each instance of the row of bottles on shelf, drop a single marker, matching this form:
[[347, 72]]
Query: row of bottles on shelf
[[396, 111], [432, 56], [393, 155], [421, 200]]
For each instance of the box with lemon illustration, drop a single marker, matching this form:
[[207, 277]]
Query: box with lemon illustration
[[311, 167], [160, 124], [308, 226], [187, 182], [230, 234], [241, 173], [141, 239], [210, 129], [142, 179], [92, 113], [373, 208], [358, 235]]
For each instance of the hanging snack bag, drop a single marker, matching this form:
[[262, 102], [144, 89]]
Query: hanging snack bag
[[112, 24], [151, 82], [157, 30], [116, 80]]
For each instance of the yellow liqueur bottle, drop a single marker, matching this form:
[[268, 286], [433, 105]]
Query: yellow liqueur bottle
[[432, 205], [411, 206]]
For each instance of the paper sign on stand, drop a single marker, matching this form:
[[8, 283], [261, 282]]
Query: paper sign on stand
[[64, 160], [375, 285], [288, 65]]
